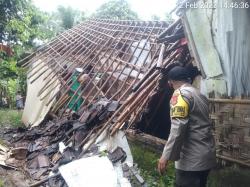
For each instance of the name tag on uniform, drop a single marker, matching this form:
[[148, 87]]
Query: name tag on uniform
[[179, 107]]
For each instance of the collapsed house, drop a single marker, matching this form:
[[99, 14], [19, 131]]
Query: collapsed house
[[103, 78], [84, 86]]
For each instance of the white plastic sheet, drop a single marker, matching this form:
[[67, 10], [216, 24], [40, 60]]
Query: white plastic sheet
[[90, 172], [98, 169]]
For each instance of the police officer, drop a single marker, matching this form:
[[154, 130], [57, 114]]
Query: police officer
[[190, 144]]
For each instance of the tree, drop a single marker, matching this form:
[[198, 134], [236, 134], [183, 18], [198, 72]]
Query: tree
[[10, 10], [67, 15], [116, 9], [20, 24], [64, 18], [8, 80]]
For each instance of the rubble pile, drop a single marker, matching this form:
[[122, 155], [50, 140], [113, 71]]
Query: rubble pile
[[39, 151]]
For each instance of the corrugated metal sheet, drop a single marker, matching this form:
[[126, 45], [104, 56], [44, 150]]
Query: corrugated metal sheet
[[222, 40]]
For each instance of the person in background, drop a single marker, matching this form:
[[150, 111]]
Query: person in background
[[75, 90], [191, 143], [19, 101]]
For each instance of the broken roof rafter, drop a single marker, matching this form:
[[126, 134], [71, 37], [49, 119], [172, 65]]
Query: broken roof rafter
[[141, 91], [96, 94], [141, 94], [44, 50], [88, 54], [107, 69], [98, 43], [131, 69], [73, 31], [96, 55], [47, 64], [70, 34], [66, 55]]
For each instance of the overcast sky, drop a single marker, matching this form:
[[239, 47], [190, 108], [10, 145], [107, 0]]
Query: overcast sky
[[144, 8]]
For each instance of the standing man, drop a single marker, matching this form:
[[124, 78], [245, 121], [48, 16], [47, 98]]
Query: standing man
[[190, 144], [19, 101]]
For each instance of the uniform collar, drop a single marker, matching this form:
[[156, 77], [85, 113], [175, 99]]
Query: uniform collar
[[184, 85]]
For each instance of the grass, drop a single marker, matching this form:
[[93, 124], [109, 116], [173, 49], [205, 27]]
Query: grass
[[10, 118], [229, 176], [147, 160]]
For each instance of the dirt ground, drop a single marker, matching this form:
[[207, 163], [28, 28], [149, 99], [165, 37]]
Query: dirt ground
[[12, 178]]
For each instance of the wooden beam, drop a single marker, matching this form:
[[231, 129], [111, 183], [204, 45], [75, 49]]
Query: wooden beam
[[231, 101], [146, 139]]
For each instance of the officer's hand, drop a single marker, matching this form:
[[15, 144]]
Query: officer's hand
[[162, 165]]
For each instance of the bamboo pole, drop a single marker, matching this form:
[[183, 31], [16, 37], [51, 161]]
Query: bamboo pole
[[74, 38], [127, 112], [65, 56], [123, 116], [131, 69], [69, 79], [92, 69], [108, 123], [54, 41], [102, 76], [44, 180], [164, 33]]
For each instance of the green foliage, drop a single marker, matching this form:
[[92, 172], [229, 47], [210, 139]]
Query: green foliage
[[116, 9], [168, 18], [147, 162], [67, 15], [64, 18], [10, 118], [12, 79], [10, 10], [8, 70], [20, 22]]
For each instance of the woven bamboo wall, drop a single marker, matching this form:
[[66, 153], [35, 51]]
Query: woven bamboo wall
[[232, 130]]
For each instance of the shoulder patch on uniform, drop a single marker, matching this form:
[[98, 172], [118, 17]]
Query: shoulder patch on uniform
[[179, 107]]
